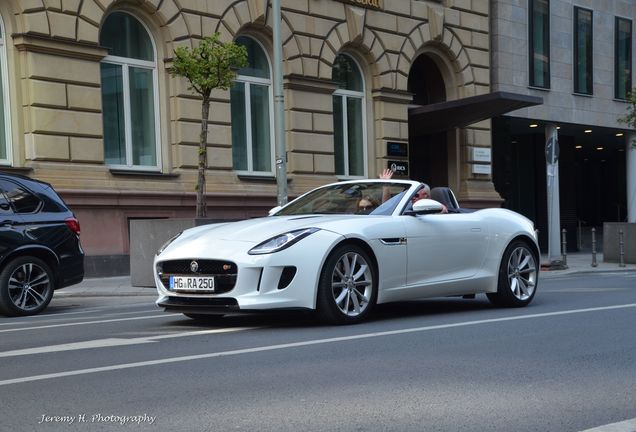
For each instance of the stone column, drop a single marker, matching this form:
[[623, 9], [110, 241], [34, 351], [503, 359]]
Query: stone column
[[630, 158], [554, 211]]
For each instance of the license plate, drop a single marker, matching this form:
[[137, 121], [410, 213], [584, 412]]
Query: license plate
[[192, 283]]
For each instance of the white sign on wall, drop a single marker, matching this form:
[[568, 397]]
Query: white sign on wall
[[482, 169], [481, 154]]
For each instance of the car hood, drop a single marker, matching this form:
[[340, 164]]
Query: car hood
[[258, 230]]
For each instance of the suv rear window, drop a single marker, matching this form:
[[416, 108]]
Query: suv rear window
[[22, 200]]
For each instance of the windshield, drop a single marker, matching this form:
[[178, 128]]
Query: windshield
[[373, 198]]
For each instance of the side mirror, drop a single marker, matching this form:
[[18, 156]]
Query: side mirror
[[427, 206], [274, 210]]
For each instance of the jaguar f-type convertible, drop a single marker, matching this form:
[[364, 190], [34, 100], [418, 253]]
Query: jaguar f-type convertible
[[342, 248]]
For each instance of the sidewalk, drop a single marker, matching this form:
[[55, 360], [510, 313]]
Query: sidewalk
[[120, 286], [105, 287], [581, 262]]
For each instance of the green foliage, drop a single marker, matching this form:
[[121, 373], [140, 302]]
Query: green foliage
[[630, 118], [210, 65]]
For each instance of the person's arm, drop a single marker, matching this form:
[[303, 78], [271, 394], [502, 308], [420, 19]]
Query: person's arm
[[386, 175]]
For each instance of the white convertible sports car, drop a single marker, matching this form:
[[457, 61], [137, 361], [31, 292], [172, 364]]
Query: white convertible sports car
[[342, 248]]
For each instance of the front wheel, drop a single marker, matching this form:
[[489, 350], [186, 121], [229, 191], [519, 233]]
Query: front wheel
[[348, 286], [26, 286], [518, 276]]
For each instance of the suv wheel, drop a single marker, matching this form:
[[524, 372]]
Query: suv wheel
[[26, 286]]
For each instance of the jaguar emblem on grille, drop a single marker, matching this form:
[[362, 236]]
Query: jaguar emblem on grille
[[194, 266]]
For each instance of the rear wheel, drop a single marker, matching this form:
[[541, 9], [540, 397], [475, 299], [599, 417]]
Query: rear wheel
[[26, 286], [347, 289], [518, 276]]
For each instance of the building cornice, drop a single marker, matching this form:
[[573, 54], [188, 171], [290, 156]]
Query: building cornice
[[57, 47]]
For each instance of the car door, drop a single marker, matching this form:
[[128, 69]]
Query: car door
[[443, 248]]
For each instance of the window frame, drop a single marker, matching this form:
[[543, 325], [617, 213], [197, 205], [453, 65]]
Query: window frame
[[126, 63], [628, 61], [248, 81], [345, 95], [6, 100], [532, 79], [589, 69]]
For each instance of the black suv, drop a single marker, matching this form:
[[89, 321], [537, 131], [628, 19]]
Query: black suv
[[40, 249]]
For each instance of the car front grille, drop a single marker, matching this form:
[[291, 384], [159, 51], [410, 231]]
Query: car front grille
[[224, 272]]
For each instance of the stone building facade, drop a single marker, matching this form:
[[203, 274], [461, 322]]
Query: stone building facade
[[577, 56], [90, 107]]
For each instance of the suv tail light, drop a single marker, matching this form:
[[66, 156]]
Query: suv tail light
[[73, 225]]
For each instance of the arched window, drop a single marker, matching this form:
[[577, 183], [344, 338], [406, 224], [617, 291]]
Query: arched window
[[349, 118], [251, 102], [5, 133], [129, 93]]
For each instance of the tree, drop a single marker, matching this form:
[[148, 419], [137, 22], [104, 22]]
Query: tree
[[211, 65], [630, 118]]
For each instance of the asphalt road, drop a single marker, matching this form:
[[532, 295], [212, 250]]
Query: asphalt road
[[566, 363]]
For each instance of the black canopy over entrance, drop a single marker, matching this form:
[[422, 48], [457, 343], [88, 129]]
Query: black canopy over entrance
[[441, 116]]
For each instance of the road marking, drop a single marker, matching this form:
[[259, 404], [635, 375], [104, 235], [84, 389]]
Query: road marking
[[57, 317], [302, 344], [570, 290], [624, 426], [86, 322], [113, 342]]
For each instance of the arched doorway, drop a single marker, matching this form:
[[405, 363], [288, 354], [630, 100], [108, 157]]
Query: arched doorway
[[428, 152]]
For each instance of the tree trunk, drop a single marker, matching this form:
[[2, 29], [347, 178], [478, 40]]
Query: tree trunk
[[203, 158]]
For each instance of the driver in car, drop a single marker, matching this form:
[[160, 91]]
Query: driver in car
[[422, 193]]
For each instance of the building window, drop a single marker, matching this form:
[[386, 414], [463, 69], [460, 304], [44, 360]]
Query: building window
[[622, 58], [539, 43], [348, 118], [583, 51], [129, 94], [5, 133], [251, 104]]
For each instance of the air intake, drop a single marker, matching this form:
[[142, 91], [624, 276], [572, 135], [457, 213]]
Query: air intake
[[286, 277]]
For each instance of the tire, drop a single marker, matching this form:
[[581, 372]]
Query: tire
[[518, 276], [26, 286], [204, 317], [348, 286]]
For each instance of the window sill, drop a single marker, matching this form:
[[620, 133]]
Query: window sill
[[16, 170], [620, 100], [590, 95], [264, 178], [141, 173], [545, 89]]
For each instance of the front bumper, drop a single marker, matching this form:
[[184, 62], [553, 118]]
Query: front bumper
[[287, 279]]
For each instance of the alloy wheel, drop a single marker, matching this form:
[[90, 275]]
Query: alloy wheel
[[522, 273], [29, 286], [352, 284]]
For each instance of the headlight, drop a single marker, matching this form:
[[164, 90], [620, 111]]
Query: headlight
[[282, 241], [166, 244]]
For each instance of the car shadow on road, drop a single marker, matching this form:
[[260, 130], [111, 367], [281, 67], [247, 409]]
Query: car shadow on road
[[308, 319]]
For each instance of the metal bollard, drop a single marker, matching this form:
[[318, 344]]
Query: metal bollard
[[594, 264], [564, 248], [621, 245]]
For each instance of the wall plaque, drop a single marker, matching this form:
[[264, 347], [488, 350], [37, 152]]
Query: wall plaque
[[398, 167], [396, 149], [482, 169], [481, 154]]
